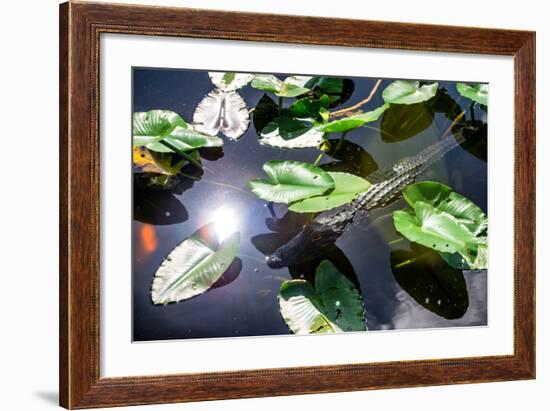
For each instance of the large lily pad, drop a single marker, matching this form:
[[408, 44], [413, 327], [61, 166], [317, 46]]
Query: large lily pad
[[351, 122], [334, 305], [290, 181], [346, 188], [153, 127], [445, 199], [193, 266], [475, 92], [408, 92], [435, 229], [445, 221]]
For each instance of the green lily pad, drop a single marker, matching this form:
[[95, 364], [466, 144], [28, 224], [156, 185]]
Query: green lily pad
[[475, 92], [193, 266], [408, 92], [292, 86], [337, 89], [346, 188], [445, 199], [351, 122], [290, 181], [334, 305], [433, 228], [309, 107], [228, 81], [452, 218]]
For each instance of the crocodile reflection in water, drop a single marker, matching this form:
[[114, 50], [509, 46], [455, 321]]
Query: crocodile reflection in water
[[387, 183]]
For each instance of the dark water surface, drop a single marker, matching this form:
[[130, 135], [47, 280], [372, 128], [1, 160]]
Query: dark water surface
[[244, 302]]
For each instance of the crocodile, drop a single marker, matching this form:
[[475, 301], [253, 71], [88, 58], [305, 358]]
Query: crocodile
[[387, 183]]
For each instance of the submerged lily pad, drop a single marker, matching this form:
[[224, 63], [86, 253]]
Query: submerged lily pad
[[346, 188], [291, 181], [430, 281], [193, 266], [475, 92], [153, 127], [403, 121], [334, 305], [352, 158], [408, 92]]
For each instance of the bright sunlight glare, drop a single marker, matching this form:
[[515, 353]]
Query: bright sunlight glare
[[225, 222]]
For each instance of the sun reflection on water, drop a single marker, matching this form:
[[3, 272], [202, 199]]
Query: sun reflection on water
[[225, 222]]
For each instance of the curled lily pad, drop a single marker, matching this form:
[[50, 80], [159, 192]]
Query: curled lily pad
[[152, 128], [351, 122], [292, 86], [433, 228], [346, 188], [291, 181], [408, 92], [222, 111], [334, 305], [480, 262], [193, 266], [475, 92], [445, 199], [445, 221], [227, 81]]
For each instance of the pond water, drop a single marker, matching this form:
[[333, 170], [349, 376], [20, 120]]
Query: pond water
[[244, 301]]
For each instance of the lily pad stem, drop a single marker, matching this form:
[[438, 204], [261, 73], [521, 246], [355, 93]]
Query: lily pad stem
[[361, 103], [280, 107], [340, 142], [182, 153], [318, 159]]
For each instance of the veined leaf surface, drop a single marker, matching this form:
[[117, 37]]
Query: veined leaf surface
[[193, 266], [334, 305]]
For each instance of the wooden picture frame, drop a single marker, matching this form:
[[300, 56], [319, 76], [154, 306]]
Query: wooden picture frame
[[80, 27]]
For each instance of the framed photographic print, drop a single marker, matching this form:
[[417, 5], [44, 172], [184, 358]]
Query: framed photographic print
[[256, 205]]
